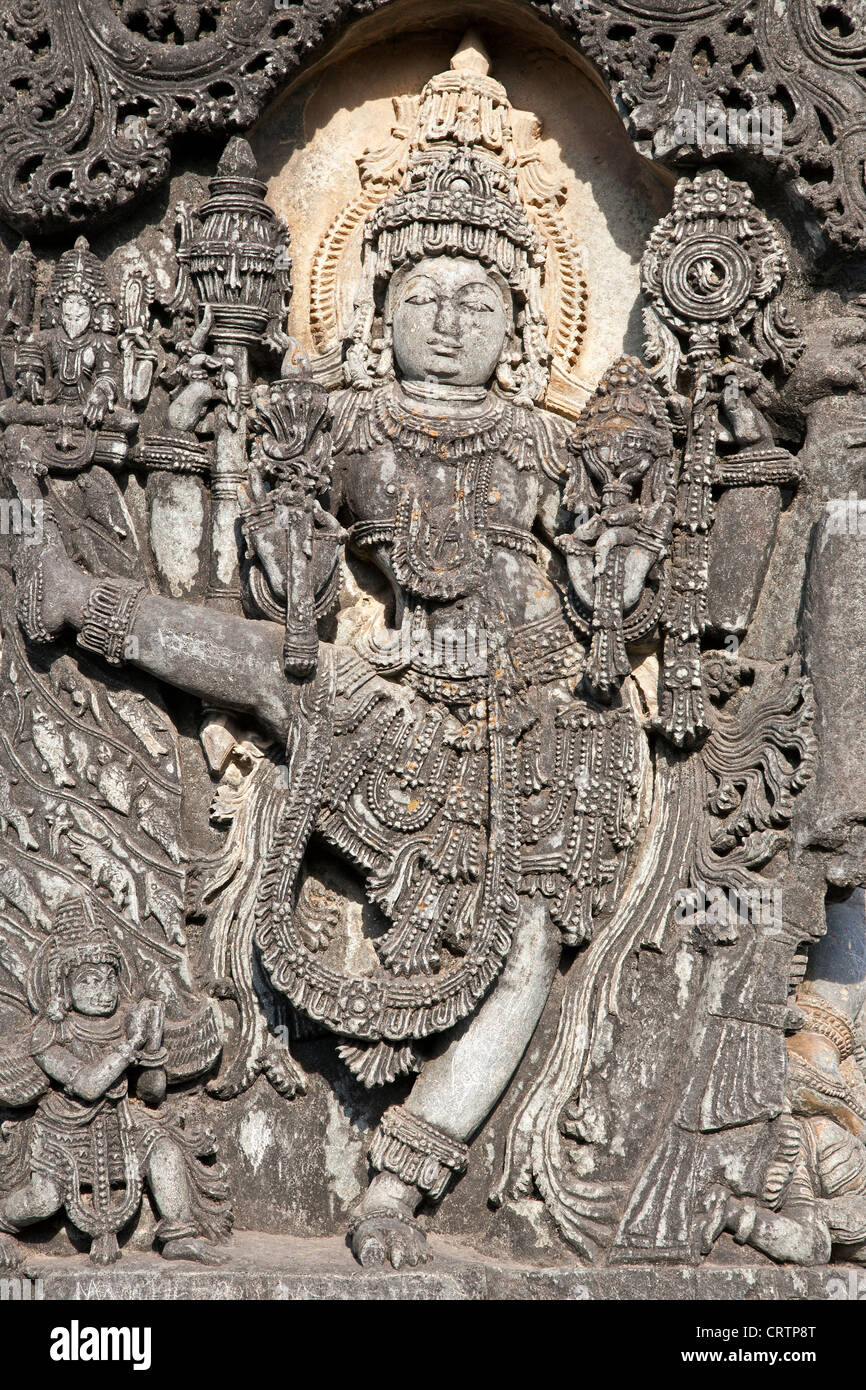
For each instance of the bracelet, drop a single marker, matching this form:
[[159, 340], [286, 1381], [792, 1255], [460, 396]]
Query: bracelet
[[418, 1153], [108, 617], [259, 517], [153, 1059], [167, 1229]]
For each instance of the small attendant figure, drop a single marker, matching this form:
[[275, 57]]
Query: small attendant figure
[[88, 1149]]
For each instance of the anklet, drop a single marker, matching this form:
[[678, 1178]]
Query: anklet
[[418, 1153]]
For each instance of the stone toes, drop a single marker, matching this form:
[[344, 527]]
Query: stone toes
[[209, 1256], [371, 1253]]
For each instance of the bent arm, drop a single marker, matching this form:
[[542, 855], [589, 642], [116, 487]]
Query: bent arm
[[796, 1235], [552, 515], [87, 1080], [230, 661]]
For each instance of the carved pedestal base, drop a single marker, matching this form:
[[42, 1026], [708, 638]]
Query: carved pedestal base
[[289, 1268]]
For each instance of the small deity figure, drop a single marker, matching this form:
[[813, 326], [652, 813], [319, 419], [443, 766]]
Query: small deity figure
[[88, 1149], [68, 373], [625, 442], [198, 381], [813, 1202]]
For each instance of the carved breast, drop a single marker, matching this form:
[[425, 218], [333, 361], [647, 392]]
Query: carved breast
[[459, 526]]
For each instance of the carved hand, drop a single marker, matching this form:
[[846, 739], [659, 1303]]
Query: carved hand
[[139, 1022], [745, 422], [65, 588], [639, 562], [834, 361], [96, 407], [581, 568], [265, 536], [30, 387]]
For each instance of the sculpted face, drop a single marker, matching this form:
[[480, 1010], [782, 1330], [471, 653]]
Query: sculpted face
[[93, 990], [450, 320], [75, 314]]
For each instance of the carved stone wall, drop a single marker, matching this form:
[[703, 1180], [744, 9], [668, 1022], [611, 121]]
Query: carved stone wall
[[432, 661]]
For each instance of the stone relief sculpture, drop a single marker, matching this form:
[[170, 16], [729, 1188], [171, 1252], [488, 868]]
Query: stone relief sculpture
[[510, 774], [84, 1134]]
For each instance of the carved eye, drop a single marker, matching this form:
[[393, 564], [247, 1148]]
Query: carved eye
[[478, 298], [419, 296]]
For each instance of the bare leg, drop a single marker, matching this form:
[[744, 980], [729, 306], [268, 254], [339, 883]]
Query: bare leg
[[461, 1084], [169, 1184], [459, 1087], [36, 1201]]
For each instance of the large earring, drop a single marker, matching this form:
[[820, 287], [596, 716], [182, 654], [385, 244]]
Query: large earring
[[506, 367], [58, 998], [385, 349], [533, 374]]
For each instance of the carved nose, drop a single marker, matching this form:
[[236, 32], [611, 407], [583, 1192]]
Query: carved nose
[[446, 319]]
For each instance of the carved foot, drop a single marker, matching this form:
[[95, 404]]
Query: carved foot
[[104, 1250], [388, 1235], [189, 1248], [718, 1209], [10, 1253]]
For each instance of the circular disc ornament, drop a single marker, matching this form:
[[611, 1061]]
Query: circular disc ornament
[[708, 278]]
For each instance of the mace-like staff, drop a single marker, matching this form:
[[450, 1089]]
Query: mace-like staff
[[290, 471]]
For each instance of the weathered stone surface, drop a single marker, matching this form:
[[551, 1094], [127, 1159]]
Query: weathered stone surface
[[283, 1268], [432, 668], [137, 75]]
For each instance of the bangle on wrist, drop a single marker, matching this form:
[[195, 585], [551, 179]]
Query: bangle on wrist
[[108, 618]]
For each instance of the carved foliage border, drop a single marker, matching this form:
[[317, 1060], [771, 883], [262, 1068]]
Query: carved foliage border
[[804, 60], [92, 91]]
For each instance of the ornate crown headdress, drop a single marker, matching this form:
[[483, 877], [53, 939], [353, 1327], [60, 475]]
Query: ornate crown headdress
[[80, 272], [459, 195], [77, 938], [459, 202]]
